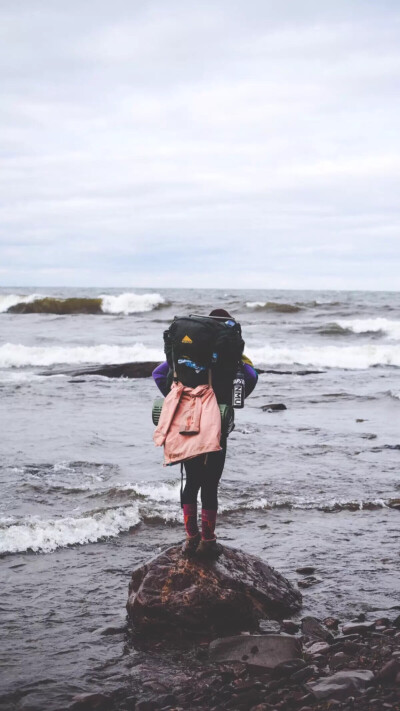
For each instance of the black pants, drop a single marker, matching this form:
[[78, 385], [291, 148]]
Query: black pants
[[205, 477]]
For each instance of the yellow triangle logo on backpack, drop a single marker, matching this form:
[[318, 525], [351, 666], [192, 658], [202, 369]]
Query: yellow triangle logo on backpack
[[186, 339]]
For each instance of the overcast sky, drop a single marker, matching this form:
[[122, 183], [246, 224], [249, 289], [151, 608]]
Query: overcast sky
[[232, 143]]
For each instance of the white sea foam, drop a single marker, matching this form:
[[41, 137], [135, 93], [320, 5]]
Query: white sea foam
[[48, 535], [130, 303], [255, 304], [13, 355], [365, 325], [8, 300], [352, 357], [158, 492]]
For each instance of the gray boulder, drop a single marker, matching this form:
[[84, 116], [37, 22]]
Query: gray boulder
[[265, 651], [342, 684], [230, 594]]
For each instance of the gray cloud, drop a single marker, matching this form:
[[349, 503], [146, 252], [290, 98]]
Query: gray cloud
[[223, 143]]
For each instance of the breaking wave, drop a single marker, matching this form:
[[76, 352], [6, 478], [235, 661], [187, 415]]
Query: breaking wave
[[129, 303], [273, 306], [350, 357], [7, 301], [371, 325], [44, 536], [14, 355], [126, 303]]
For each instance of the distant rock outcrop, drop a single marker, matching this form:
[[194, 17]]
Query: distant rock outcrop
[[230, 594], [119, 370]]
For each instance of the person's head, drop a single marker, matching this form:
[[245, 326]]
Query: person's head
[[221, 313]]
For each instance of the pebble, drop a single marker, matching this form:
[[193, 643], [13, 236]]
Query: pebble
[[302, 675], [358, 628], [331, 623], [390, 670], [290, 627], [318, 648], [313, 628]]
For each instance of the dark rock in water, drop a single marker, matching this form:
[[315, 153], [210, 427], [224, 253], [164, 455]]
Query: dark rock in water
[[291, 372], [306, 570], [308, 582], [265, 651], [342, 684], [274, 407], [51, 305], [231, 594], [120, 370], [91, 702], [313, 628]]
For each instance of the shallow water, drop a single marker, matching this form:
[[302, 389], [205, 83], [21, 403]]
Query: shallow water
[[85, 498]]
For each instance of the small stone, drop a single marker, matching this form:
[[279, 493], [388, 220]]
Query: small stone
[[290, 627], [274, 407], [302, 675], [313, 628], [389, 671], [358, 628], [338, 659], [332, 623], [306, 570], [360, 618], [269, 627], [318, 648]]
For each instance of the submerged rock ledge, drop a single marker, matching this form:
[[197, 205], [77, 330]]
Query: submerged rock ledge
[[233, 593]]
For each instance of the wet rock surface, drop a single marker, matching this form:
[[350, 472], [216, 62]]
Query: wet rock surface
[[233, 593], [367, 677], [267, 651]]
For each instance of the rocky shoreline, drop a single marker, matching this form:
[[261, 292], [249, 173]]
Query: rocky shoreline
[[181, 613], [341, 666]]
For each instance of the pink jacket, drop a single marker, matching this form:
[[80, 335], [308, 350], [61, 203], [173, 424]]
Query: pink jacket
[[189, 424]]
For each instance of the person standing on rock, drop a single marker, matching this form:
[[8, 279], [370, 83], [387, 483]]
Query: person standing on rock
[[197, 363]]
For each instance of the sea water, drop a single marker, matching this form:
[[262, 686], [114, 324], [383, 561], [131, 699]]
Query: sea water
[[84, 497]]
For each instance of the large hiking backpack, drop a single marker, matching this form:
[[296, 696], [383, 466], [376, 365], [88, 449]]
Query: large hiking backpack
[[196, 344]]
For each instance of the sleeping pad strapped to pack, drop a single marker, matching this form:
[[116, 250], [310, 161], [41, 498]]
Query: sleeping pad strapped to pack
[[195, 344]]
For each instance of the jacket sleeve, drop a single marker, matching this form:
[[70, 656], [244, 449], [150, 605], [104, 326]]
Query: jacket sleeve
[[250, 375], [160, 375]]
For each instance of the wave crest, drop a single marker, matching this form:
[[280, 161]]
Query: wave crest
[[44, 536], [371, 325], [348, 357], [13, 355], [273, 306], [126, 303]]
